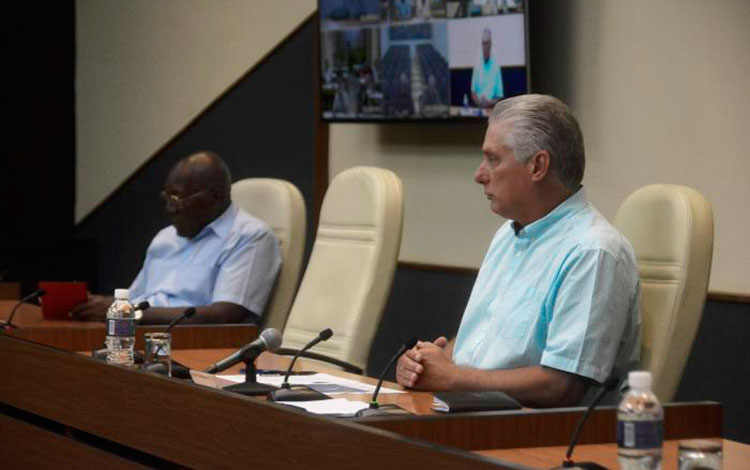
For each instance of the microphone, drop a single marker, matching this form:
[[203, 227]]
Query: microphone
[[36, 294], [138, 309], [608, 386], [269, 340], [305, 393], [189, 312], [374, 408]]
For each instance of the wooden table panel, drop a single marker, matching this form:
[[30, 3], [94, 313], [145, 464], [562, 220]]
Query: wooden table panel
[[87, 336], [25, 446], [538, 428]]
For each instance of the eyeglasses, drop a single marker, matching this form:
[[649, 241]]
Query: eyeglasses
[[176, 200]]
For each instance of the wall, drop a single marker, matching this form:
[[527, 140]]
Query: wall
[[661, 91], [145, 68]]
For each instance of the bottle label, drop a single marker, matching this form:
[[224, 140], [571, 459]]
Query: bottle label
[[640, 434], [120, 327]]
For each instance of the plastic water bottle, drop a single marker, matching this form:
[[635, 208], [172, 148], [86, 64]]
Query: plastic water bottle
[[120, 330], [640, 425]]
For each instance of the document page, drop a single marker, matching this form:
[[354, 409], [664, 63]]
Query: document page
[[323, 383], [335, 406]]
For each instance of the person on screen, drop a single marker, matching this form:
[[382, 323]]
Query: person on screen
[[555, 306], [431, 102], [402, 104], [486, 78], [403, 9], [214, 256]]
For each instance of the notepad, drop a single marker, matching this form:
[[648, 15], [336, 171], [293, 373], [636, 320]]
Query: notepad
[[452, 402]]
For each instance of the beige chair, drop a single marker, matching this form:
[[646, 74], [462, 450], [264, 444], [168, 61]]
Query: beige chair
[[671, 229], [279, 204], [348, 278]]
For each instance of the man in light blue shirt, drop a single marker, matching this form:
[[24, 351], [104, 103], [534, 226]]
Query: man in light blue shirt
[[555, 306], [214, 256], [486, 78]]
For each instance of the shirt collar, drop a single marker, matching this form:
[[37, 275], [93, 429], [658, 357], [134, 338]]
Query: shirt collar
[[220, 225], [573, 204]]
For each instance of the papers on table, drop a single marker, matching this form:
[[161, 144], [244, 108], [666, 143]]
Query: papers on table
[[335, 406], [211, 380], [323, 383]]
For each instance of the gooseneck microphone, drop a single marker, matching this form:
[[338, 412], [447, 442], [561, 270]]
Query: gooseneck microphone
[[608, 386], [269, 340], [34, 295], [374, 408], [189, 312], [322, 336], [303, 393]]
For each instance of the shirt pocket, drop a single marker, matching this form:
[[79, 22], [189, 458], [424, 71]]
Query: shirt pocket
[[520, 316]]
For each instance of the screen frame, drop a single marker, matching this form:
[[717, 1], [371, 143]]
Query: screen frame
[[415, 120]]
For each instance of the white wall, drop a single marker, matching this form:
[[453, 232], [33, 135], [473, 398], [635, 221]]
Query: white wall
[[663, 95], [145, 68]]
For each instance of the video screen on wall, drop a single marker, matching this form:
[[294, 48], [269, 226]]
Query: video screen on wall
[[402, 60]]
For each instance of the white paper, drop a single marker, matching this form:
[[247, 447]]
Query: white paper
[[334, 406], [323, 383], [211, 380]]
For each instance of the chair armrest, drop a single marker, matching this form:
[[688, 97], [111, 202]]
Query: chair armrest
[[319, 357]]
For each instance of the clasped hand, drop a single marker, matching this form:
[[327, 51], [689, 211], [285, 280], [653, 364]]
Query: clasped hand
[[427, 366]]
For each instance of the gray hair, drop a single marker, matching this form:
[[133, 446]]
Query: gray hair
[[543, 122]]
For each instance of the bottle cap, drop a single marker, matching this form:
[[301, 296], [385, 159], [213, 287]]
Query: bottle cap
[[121, 294], [640, 379]]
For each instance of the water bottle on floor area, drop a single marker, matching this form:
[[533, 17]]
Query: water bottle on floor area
[[640, 425], [120, 330]]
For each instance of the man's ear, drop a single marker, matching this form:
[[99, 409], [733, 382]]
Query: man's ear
[[539, 165]]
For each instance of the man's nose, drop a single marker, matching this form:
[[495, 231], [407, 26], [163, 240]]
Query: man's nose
[[480, 175]]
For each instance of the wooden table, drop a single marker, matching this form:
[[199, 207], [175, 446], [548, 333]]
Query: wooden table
[[490, 430], [64, 410], [736, 455], [87, 336], [69, 403]]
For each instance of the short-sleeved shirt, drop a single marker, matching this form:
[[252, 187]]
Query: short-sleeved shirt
[[233, 259], [487, 80], [562, 292]]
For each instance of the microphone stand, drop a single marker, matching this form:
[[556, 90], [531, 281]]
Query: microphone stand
[[251, 386], [375, 409], [568, 463], [300, 392], [8, 324]]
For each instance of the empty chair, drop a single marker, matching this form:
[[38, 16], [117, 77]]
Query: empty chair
[[279, 204], [348, 277], [671, 230]]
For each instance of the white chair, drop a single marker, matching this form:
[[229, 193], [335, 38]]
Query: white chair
[[279, 204], [671, 230], [348, 277]]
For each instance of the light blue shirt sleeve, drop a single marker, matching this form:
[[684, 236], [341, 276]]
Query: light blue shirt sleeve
[[248, 272], [586, 326]]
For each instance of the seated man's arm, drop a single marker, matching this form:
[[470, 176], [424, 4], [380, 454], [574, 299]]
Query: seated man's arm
[[591, 322], [95, 309], [219, 312], [429, 367]]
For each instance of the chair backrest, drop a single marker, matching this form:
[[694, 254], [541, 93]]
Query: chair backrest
[[348, 277], [671, 230], [279, 204]]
